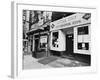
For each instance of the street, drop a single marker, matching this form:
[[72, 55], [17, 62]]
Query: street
[[32, 63]]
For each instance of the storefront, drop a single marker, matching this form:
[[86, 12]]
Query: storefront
[[38, 40], [71, 34], [39, 44]]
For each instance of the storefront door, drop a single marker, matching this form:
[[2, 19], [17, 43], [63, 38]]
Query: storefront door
[[36, 44], [69, 44]]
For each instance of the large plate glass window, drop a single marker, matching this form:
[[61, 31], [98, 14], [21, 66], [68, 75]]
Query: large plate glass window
[[43, 41], [55, 39], [82, 32]]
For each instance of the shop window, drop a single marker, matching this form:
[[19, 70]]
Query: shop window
[[83, 46], [43, 45], [43, 41], [55, 39], [83, 30]]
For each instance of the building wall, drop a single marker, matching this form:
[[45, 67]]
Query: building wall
[[27, 19]]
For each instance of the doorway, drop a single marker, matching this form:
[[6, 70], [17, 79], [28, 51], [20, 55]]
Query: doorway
[[69, 44], [36, 45]]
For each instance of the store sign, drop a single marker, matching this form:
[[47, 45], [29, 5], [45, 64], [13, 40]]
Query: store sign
[[43, 39], [70, 21]]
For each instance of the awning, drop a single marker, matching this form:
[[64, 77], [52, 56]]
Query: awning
[[39, 28]]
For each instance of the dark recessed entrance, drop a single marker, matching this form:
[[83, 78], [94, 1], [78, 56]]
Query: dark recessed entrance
[[69, 38], [36, 45], [69, 44]]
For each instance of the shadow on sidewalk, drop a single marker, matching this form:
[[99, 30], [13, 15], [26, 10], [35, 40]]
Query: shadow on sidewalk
[[47, 60]]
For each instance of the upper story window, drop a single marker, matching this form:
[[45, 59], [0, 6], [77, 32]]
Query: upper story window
[[59, 15]]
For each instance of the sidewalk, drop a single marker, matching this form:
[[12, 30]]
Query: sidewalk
[[67, 63], [50, 62], [32, 63]]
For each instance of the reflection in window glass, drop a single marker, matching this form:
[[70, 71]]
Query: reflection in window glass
[[83, 30], [83, 46]]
